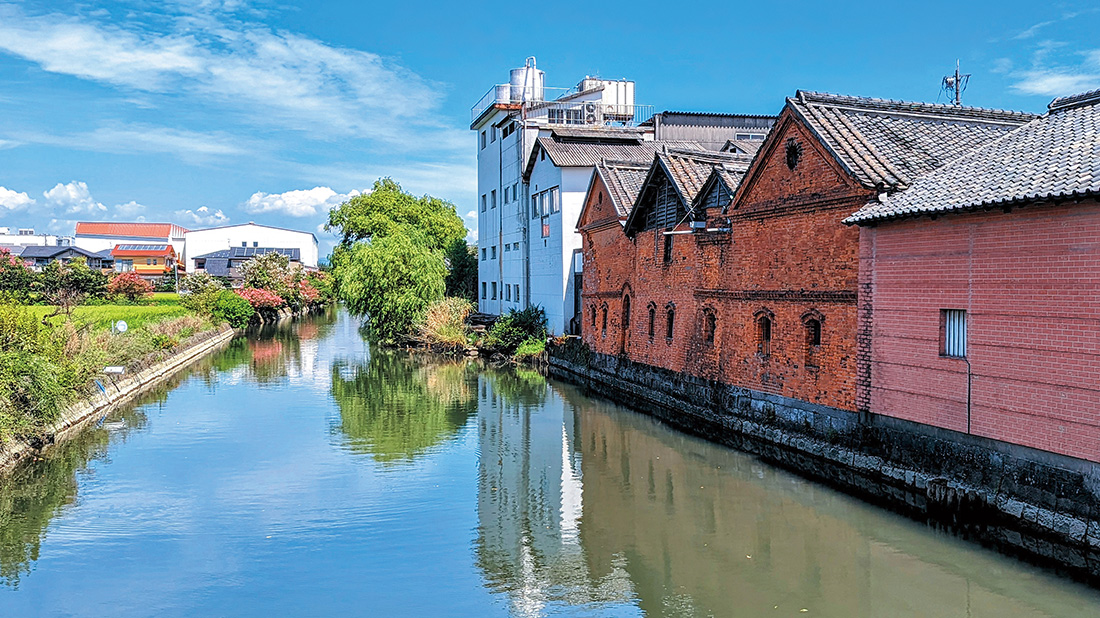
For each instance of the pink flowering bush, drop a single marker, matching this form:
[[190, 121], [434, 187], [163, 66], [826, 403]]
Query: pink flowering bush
[[307, 292], [261, 298]]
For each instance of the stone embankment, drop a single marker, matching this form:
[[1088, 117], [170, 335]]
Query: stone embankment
[[115, 392], [1025, 502]]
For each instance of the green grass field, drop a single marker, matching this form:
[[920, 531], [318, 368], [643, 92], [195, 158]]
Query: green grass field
[[101, 316]]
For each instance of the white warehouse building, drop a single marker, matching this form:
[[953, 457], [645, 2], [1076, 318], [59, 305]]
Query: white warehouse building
[[202, 242], [535, 159]]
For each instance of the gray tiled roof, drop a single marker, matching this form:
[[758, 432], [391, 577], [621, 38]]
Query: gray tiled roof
[[689, 169], [1057, 155], [567, 153], [15, 250], [746, 146], [38, 251], [623, 180], [887, 144]]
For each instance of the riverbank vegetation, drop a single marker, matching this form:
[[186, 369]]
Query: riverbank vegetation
[[403, 262], [59, 326]]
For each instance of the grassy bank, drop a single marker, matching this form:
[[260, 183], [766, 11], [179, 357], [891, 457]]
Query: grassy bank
[[46, 366]]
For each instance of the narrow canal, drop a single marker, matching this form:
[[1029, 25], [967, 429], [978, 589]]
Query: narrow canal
[[301, 473]]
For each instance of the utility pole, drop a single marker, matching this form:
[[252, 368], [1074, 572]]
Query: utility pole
[[956, 83]]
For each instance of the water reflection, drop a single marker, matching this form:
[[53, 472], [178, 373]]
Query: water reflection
[[38, 490], [396, 407], [587, 506]]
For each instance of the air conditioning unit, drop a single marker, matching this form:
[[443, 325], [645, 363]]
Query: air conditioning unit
[[593, 113]]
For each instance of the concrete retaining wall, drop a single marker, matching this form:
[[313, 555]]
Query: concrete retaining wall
[[115, 393], [1025, 502]]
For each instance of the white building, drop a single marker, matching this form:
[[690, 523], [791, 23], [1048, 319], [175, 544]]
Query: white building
[[535, 159], [252, 235], [25, 237], [98, 236]]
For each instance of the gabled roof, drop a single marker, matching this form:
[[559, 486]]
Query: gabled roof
[[253, 223], [1055, 156], [743, 146], [887, 144], [728, 174], [572, 153], [129, 230], [37, 251], [623, 180], [221, 253], [14, 250], [142, 250], [687, 170]]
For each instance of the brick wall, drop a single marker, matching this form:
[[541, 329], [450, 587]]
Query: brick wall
[[1029, 282], [787, 256]]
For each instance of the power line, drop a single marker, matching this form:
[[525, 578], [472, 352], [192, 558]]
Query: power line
[[956, 83]]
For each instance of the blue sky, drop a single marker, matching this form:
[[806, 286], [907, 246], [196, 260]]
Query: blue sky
[[206, 112]]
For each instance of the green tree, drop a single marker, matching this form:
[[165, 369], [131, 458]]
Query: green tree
[[391, 280], [16, 280], [462, 270], [389, 210], [270, 271]]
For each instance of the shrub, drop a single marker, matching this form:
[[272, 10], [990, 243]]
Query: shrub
[[515, 327], [261, 298], [531, 348], [131, 285], [323, 283], [445, 321], [232, 308], [199, 283]]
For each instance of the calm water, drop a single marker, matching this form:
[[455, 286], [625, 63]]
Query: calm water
[[301, 473]]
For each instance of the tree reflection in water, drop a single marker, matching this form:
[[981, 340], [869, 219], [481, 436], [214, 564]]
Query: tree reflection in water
[[38, 490], [396, 407]]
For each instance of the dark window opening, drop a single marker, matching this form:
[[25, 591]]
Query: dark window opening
[[603, 327], [652, 321], [813, 341], [668, 249], [764, 335], [710, 324], [626, 313], [670, 321]]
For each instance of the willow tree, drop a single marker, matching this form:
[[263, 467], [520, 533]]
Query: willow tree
[[391, 262]]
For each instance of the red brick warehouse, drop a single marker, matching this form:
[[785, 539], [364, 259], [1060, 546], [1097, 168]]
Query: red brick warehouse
[[981, 289], [745, 273]]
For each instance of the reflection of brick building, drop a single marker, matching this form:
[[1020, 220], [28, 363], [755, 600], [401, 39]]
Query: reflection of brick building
[[746, 274], [984, 274]]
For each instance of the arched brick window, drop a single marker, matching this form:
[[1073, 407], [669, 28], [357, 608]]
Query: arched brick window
[[593, 316], [812, 322], [710, 325], [765, 324], [603, 327], [670, 320], [652, 320]]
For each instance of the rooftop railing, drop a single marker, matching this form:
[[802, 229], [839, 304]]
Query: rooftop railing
[[555, 111]]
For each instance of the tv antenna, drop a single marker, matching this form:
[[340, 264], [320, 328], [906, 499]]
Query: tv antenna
[[956, 83]]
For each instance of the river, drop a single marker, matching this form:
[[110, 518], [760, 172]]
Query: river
[[301, 473]]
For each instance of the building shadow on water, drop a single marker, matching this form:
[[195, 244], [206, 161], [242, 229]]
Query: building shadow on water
[[588, 506]]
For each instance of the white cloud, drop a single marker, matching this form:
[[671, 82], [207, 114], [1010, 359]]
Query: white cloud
[[129, 210], [201, 216], [472, 214], [1079, 74], [13, 200], [73, 198], [273, 77], [297, 203]]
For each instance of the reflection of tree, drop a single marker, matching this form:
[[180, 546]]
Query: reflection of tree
[[37, 490], [517, 385], [397, 406]]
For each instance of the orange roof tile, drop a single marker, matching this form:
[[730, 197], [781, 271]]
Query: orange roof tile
[[128, 230]]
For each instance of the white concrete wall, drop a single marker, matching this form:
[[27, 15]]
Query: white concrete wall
[[35, 240], [201, 242], [547, 290]]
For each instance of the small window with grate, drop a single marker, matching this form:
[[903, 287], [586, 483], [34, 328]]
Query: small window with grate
[[764, 334], [710, 324], [670, 322], [953, 333]]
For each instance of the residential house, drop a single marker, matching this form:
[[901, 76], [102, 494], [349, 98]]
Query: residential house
[[151, 261], [978, 289], [37, 256]]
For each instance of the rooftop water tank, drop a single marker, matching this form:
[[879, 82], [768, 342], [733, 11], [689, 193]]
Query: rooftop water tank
[[527, 82]]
